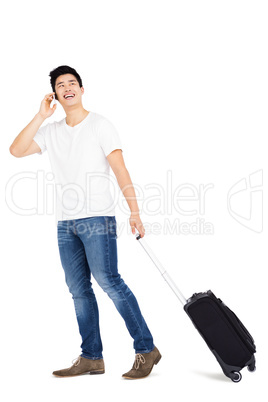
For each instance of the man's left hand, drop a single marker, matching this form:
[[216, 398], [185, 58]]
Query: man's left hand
[[135, 222]]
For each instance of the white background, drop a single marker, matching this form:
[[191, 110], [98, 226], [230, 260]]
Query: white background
[[185, 84]]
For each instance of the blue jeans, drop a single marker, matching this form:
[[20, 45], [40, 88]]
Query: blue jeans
[[89, 246]]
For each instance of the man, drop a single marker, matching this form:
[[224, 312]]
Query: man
[[82, 147]]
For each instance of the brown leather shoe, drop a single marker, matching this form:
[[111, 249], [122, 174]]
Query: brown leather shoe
[[143, 364], [82, 366]]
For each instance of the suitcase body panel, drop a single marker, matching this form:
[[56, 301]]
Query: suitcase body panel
[[225, 335]]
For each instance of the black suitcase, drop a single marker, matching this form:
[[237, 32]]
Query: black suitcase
[[224, 333]]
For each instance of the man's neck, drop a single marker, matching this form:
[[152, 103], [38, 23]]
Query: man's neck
[[75, 116]]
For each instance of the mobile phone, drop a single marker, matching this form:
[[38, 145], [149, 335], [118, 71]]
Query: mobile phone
[[53, 101]]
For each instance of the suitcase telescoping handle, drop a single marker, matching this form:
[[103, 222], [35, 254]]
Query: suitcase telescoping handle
[[162, 270]]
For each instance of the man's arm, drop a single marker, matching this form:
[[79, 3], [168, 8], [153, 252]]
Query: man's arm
[[24, 145], [117, 164]]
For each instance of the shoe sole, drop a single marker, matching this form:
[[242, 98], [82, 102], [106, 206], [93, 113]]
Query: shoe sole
[[76, 375], [157, 360]]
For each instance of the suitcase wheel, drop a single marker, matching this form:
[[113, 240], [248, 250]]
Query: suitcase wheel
[[251, 368], [236, 376]]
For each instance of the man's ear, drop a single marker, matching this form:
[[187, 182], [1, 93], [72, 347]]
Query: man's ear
[[82, 90]]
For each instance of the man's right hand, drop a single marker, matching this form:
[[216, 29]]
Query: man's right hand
[[45, 109]]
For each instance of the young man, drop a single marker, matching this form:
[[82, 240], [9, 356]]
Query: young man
[[81, 148]]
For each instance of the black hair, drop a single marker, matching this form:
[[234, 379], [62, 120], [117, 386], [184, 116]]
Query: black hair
[[54, 74]]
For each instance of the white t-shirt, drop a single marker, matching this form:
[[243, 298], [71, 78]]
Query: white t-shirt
[[79, 164]]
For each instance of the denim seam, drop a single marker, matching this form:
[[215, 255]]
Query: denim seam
[[146, 351], [91, 357]]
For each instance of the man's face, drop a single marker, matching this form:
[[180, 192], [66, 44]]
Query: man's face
[[68, 90]]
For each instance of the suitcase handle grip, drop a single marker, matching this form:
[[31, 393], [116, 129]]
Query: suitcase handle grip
[[162, 270]]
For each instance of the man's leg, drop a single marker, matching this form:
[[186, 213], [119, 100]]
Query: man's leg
[[98, 235], [77, 276]]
